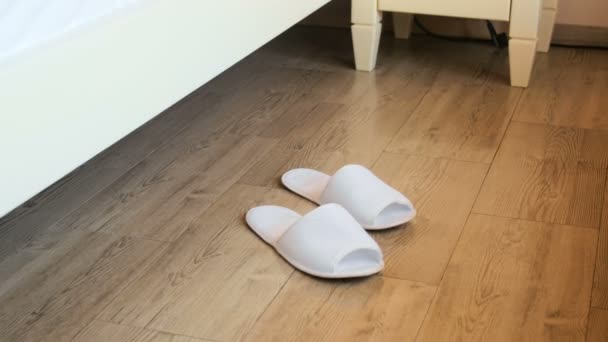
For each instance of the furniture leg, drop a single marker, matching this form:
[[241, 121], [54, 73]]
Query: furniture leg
[[366, 29], [523, 36], [547, 21], [402, 25]]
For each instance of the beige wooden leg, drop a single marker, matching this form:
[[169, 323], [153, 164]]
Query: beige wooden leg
[[402, 25], [523, 35], [547, 21], [521, 60], [366, 30]]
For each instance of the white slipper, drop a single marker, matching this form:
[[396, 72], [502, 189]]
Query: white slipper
[[373, 203], [327, 242]]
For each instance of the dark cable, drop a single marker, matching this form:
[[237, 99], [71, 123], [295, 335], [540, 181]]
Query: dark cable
[[444, 37], [500, 40], [457, 39]]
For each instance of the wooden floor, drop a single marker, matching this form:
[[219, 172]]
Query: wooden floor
[[147, 242]]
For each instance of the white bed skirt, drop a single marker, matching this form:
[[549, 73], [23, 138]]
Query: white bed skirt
[[63, 103]]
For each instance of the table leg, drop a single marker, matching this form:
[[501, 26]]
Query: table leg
[[366, 29], [523, 36], [402, 25], [547, 21]]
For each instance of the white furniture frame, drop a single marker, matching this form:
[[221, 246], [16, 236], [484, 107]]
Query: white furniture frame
[[62, 103], [531, 26]]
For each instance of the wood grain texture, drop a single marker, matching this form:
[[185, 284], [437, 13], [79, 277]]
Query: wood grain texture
[[355, 133], [567, 91], [513, 280], [206, 121], [547, 173], [443, 192], [294, 131], [597, 330], [463, 116], [147, 242], [189, 171], [99, 331], [215, 279], [372, 309], [600, 280], [177, 183], [22, 226], [333, 56], [59, 293]]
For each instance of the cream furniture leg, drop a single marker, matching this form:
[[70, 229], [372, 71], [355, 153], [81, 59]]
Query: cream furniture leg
[[402, 25], [547, 21], [366, 30], [523, 35]]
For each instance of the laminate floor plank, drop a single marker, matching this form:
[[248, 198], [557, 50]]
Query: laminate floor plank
[[597, 330], [514, 280], [100, 331], [158, 201], [568, 90], [372, 309], [462, 118], [355, 133], [547, 173], [294, 133], [216, 279], [444, 192], [60, 292], [600, 279]]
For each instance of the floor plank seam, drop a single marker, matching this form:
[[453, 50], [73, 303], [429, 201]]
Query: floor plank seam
[[151, 239], [511, 120], [597, 251], [158, 313], [599, 307], [502, 138], [153, 330], [554, 125], [463, 229], [404, 154], [535, 221], [205, 339], [410, 280], [219, 195], [489, 165], [426, 93], [141, 273], [438, 286], [475, 200], [84, 328], [504, 133], [426, 314], [270, 302]]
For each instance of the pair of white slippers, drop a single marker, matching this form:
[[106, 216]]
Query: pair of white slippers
[[331, 241]]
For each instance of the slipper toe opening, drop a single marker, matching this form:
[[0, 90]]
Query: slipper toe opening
[[361, 261], [394, 214]]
